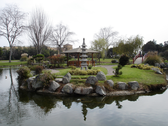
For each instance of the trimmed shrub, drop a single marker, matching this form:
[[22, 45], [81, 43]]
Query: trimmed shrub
[[46, 78], [24, 72], [117, 71], [38, 69], [89, 66], [152, 59], [83, 72], [124, 59]]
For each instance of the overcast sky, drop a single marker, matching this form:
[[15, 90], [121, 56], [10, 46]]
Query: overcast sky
[[147, 18]]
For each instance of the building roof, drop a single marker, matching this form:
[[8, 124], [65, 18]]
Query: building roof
[[79, 50]]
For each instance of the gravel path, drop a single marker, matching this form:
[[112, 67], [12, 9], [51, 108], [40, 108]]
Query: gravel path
[[109, 69], [52, 70]]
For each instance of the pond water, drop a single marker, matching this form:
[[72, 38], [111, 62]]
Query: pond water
[[21, 108]]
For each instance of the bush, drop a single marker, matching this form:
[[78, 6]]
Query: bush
[[83, 72], [46, 79], [117, 72], [114, 61], [124, 59], [30, 61], [152, 59], [89, 66], [24, 72], [72, 67], [38, 69], [23, 58]]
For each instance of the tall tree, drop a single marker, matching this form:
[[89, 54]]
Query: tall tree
[[39, 30], [11, 24], [108, 35], [61, 35]]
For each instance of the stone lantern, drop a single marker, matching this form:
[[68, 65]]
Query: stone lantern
[[84, 56]]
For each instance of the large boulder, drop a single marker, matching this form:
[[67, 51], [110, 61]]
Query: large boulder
[[110, 83], [66, 79], [122, 85], [134, 85], [91, 80], [100, 90], [30, 81], [53, 86], [101, 76], [37, 83], [83, 90], [157, 64], [68, 88]]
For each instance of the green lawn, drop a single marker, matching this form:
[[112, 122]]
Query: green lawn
[[146, 77], [13, 63]]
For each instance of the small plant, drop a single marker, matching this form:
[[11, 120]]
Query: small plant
[[89, 66], [24, 73], [38, 69], [46, 78], [117, 71], [73, 67], [124, 59], [114, 61]]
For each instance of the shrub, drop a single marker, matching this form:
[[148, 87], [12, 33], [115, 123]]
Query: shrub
[[89, 66], [114, 61], [23, 58], [57, 59], [152, 59], [24, 72], [83, 72], [38, 69], [72, 67], [117, 71], [124, 59], [30, 61], [46, 78]]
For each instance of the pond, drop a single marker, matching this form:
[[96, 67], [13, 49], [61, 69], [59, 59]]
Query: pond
[[21, 108]]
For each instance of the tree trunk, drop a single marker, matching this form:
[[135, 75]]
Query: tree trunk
[[10, 55]]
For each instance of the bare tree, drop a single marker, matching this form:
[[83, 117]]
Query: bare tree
[[61, 35], [39, 30], [11, 24], [107, 34]]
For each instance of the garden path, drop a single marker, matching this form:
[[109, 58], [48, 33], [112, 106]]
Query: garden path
[[109, 69], [138, 60]]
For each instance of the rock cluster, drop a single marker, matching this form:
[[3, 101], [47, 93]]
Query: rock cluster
[[35, 83]]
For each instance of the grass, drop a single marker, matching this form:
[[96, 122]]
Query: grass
[[2, 63], [147, 77]]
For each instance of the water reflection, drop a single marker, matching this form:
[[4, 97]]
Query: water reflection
[[47, 103], [18, 105], [11, 110]]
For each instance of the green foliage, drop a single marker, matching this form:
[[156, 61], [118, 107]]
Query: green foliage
[[1, 52], [23, 58], [114, 61], [38, 69], [83, 72], [124, 59], [72, 67], [117, 71], [129, 46], [24, 72], [141, 66], [30, 61], [46, 78], [89, 66], [57, 59], [152, 59]]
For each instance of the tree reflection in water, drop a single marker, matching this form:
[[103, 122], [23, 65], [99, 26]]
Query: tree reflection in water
[[11, 109]]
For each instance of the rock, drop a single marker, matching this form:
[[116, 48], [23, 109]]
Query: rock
[[53, 86], [134, 85], [83, 90], [68, 88], [100, 90], [101, 76], [162, 65], [30, 81], [66, 79], [156, 70], [91, 80], [36, 84], [157, 64], [58, 80], [110, 83], [122, 85]]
